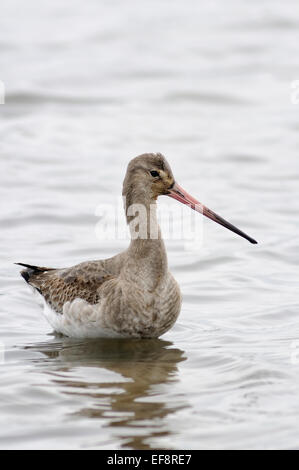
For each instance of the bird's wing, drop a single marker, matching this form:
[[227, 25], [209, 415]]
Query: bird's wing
[[59, 286]]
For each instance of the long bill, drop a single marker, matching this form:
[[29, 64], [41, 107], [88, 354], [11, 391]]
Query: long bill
[[178, 193]]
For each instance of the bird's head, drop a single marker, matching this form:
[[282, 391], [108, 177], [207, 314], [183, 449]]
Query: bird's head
[[149, 176], [149, 173]]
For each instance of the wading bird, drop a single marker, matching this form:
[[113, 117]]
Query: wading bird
[[132, 294]]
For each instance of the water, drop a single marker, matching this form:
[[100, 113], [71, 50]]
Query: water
[[88, 86]]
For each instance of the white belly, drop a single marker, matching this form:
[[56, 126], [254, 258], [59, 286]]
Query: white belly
[[79, 320], [139, 314]]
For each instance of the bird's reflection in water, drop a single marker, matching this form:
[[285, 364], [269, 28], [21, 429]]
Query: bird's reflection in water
[[135, 408]]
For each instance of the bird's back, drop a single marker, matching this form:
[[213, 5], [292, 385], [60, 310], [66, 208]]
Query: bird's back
[[58, 286]]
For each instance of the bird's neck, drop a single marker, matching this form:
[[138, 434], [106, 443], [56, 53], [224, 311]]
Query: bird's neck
[[147, 258]]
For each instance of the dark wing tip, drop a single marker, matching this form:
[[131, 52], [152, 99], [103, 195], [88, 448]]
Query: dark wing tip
[[39, 269], [29, 266], [30, 271], [25, 274]]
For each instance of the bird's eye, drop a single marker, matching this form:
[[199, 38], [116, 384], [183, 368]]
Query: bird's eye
[[154, 174]]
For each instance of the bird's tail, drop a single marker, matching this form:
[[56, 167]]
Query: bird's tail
[[31, 270]]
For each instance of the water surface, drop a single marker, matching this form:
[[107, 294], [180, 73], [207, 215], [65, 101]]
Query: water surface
[[208, 84]]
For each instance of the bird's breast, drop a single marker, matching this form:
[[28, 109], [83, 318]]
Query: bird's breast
[[136, 312]]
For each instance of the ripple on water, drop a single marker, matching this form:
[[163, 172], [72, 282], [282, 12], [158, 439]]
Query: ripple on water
[[215, 102]]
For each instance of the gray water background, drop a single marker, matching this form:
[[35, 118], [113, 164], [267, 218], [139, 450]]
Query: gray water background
[[89, 85]]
